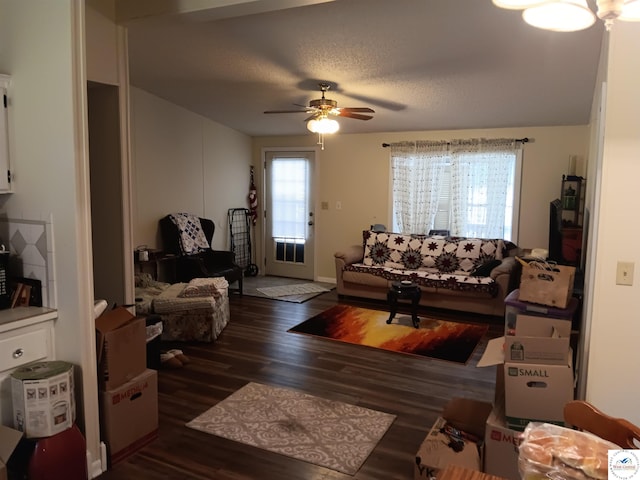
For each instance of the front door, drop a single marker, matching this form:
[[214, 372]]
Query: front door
[[289, 222]]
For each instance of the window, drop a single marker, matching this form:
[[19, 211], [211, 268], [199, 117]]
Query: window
[[469, 187]]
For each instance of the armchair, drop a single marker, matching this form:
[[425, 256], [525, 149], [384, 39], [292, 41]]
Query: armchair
[[201, 264]]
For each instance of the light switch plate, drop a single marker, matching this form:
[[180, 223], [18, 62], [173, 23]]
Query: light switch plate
[[624, 273]]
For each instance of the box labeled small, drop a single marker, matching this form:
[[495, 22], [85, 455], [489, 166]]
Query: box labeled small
[[536, 392]]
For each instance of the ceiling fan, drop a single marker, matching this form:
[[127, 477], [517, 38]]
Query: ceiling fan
[[323, 107]]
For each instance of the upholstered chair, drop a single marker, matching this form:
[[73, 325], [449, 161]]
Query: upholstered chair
[[200, 264]]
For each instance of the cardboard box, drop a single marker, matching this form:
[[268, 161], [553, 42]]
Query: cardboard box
[[434, 454], [501, 446], [129, 415], [547, 287], [538, 340], [43, 398], [514, 307], [121, 347], [537, 392], [9, 439]]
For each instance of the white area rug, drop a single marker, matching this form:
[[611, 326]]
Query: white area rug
[[298, 289], [323, 432]]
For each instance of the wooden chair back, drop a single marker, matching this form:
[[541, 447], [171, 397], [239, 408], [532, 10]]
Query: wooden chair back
[[584, 416]]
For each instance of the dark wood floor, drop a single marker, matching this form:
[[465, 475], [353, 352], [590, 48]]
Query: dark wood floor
[[255, 347]]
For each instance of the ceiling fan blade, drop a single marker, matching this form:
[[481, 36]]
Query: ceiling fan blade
[[287, 111], [357, 116], [315, 115], [357, 109]]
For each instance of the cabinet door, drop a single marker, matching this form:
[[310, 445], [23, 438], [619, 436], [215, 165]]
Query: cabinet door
[[5, 175]]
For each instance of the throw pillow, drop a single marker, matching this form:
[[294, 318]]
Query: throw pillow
[[485, 269]]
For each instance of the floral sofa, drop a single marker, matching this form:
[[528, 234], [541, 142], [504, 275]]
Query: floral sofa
[[456, 273]]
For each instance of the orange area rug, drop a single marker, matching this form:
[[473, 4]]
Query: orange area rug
[[436, 338]]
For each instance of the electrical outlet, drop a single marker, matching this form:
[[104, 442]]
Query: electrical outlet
[[624, 273], [338, 205]]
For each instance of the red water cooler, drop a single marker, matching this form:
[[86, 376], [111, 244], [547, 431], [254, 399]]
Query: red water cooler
[[60, 457]]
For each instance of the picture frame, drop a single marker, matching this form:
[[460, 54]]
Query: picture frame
[[26, 292]]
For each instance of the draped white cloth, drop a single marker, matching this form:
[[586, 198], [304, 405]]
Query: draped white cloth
[[481, 181], [417, 170]]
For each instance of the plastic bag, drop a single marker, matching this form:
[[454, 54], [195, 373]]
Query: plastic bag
[[552, 451]]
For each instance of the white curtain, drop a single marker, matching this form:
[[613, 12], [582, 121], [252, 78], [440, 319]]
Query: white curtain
[[482, 179], [417, 170], [480, 173]]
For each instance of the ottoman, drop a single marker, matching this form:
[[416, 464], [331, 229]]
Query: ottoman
[[194, 318]]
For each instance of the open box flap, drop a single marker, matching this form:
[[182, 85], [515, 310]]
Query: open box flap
[[468, 415], [493, 354], [108, 322]]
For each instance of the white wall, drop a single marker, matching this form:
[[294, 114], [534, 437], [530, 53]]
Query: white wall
[[183, 162], [354, 169], [102, 40], [108, 74], [40, 47], [613, 368]]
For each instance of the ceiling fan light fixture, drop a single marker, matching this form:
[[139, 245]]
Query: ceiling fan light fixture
[[610, 10], [560, 15], [517, 4], [631, 11], [323, 125]]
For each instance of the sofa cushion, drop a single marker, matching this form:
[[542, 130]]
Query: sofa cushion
[[392, 250], [447, 254], [432, 248]]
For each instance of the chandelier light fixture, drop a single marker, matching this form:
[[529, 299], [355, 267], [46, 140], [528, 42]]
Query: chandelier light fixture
[[572, 15], [322, 125]]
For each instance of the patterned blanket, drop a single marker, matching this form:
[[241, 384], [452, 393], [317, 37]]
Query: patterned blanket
[[192, 237], [205, 287]]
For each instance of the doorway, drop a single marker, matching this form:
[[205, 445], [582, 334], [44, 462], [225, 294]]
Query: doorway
[[105, 163], [289, 216]]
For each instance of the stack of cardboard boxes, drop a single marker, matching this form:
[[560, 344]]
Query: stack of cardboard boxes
[[534, 381], [534, 377], [128, 390]]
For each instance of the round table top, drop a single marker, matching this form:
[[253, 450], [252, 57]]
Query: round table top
[[403, 285]]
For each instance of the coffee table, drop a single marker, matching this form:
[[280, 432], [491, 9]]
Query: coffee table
[[404, 291]]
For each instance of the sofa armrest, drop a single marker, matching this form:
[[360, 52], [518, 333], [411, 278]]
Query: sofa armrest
[[505, 275], [506, 266], [352, 254]]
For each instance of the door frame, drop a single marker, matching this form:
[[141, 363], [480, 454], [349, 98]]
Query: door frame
[[263, 197]]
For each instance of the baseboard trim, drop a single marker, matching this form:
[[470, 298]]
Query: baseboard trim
[[326, 280], [99, 466]]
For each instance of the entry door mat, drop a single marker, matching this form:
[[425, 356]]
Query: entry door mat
[[328, 433], [287, 289], [436, 338]]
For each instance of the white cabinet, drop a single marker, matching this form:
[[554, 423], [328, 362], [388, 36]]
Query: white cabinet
[[5, 166], [26, 335]]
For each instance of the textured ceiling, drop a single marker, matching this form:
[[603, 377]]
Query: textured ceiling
[[420, 64]]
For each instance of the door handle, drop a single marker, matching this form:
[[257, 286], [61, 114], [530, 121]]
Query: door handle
[[310, 223]]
